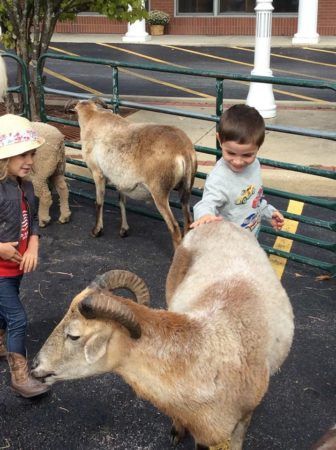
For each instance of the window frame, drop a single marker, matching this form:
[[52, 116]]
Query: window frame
[[216, 12]]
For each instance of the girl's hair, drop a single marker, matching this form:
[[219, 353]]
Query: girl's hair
[[242, 124], [3, 168]]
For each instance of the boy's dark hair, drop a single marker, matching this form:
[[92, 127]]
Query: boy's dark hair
[[242, 124]]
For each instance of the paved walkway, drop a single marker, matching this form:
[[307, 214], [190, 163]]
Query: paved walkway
[[199, 41]]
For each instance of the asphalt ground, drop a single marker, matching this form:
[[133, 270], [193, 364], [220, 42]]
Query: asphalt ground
[[103, 412], [306, 63]]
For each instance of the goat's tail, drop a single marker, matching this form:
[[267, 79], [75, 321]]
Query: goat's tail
[[3, 78], [190, 172]]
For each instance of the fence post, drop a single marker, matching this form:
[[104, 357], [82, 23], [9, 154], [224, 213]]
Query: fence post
[[261, 94], [307, 23]]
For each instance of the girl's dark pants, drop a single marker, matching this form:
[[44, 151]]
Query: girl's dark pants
[[13, 317]]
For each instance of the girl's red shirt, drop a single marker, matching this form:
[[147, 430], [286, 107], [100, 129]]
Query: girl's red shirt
[[9, 268]]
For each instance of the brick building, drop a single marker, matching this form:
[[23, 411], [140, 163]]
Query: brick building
[[212, 17]]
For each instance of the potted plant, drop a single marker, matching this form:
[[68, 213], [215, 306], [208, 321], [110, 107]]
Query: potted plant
[[157, 20]]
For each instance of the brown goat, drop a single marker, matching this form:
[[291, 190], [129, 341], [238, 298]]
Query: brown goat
[[206, 362], [142, 161]]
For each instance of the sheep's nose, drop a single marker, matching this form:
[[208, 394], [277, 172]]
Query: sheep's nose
[[35, 363]]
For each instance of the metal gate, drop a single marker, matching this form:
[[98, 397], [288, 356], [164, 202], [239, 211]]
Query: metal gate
[[325, 226]]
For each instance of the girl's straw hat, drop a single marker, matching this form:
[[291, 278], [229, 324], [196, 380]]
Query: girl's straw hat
[[17, 136]]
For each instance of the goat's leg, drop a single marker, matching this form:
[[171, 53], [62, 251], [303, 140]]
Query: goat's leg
[[43, 193], [161, 200], [63, 193], [238, 435], [99, 181], [177, 432], [124, 228], [185, 203]]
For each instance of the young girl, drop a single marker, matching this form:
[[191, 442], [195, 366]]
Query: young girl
[[18, 245]]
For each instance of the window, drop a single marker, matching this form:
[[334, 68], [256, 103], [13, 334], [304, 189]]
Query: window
[[195, 6], [231, 6]]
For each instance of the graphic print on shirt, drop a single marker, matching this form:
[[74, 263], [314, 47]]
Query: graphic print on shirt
[[24, 229], [251, 221], [245, 195], [257, 200]]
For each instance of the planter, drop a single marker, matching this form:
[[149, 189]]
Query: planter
[[156, 30]]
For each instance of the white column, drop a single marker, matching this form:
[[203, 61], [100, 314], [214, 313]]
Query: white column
[[307, 23], [261, 94], [136, 32]]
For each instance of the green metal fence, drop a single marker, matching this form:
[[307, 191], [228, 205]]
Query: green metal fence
[[218, 78], [23, 88]]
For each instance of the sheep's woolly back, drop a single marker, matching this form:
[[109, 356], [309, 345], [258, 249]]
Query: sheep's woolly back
[[3, 79], [223, 254], [50, 157]]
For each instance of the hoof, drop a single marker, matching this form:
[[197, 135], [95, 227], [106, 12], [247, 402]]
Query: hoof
[[124, 232], [176, 436], [44, 223], [65, 219], [96, 233]]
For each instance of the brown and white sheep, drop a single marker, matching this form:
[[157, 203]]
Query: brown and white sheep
[[49, 167], [143, 161], [206, 362]]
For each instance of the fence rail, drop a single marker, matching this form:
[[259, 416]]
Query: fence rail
[[115, 100]]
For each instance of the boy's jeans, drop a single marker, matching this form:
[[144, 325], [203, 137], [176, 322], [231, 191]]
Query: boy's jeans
[[13, 317]]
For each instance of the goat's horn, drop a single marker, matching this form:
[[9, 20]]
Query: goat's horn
[[70, 105], [116, 279], [110, 307], [99, 101]]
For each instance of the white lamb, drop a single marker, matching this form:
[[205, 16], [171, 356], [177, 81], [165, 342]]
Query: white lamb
[[49, 166]]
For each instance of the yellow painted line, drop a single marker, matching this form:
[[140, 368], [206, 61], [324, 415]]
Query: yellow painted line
[[303, 97], [72, 82], [290, 94], [69, 80], [153, 80], [292, 58], [63, 51], [319, 50], [191, 91], [285, 244], [164, 83], [141, 55], [291, 72], [220, 58]]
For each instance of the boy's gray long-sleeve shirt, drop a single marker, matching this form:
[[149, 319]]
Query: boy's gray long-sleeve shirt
[[237, 197]]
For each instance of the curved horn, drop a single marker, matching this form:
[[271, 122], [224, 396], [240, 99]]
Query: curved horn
[[69, 107], [99, 101], [110, 307], [115, 279]]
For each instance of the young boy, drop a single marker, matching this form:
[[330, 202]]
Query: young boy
[[233, 190]]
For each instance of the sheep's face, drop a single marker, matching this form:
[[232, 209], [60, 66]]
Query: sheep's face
[[77, 347]]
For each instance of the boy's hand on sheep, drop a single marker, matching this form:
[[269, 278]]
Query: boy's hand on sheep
[[208, 218]]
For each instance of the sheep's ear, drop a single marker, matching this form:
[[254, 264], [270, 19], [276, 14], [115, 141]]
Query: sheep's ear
[[95, 348]]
